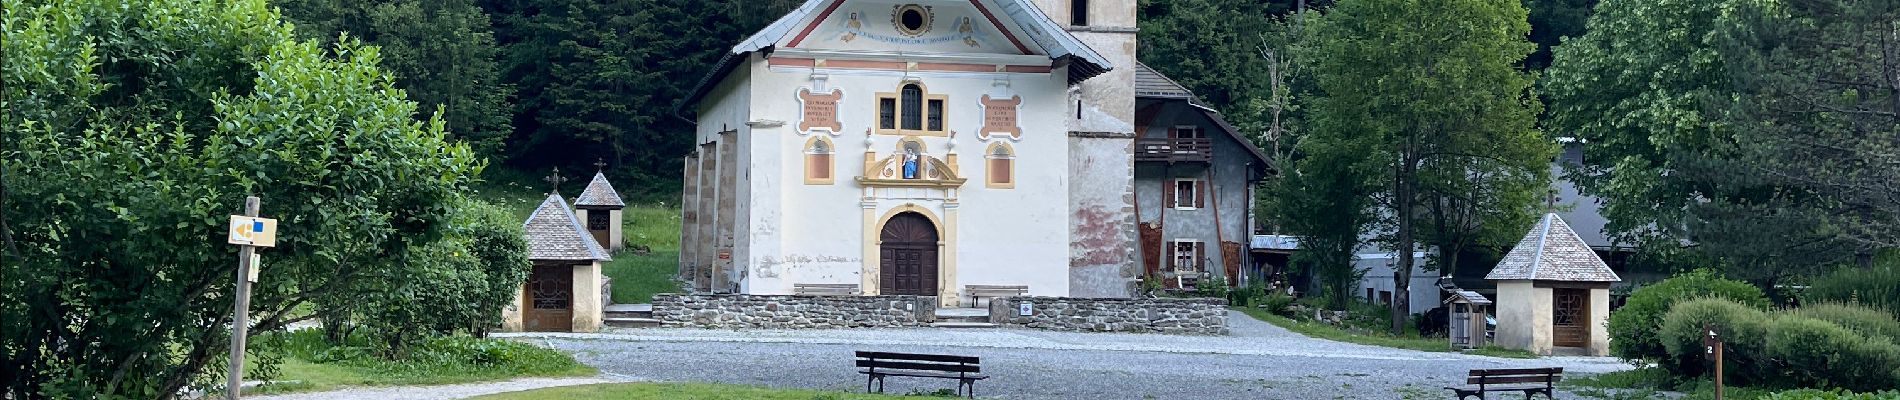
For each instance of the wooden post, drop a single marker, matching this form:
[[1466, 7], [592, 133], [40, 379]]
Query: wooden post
[[1712, 343], [1718, 370], [241, 311]]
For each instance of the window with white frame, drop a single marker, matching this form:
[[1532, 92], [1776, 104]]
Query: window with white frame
[[1186, 255], [1188, 194]]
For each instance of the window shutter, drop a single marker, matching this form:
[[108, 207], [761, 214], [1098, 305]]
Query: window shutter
[[1169, 194], [1172, 133], [1168, 256], [1200, 256], [1200, 194]]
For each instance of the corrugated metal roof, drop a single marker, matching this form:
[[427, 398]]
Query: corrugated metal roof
[[554, 233], [1553, 252], [1083, 61], [599, 193]]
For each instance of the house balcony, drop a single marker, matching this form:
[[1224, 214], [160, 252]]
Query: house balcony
[[1174, 150]]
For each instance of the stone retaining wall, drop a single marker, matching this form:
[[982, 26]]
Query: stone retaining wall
[[1177, 316], [738, 311]]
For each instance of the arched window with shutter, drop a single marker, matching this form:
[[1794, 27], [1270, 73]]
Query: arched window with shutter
[[912, 111], [1001, 172], [819, 161]]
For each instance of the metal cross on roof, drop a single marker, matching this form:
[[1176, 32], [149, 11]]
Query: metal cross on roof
[[600, 163], [555, 180]]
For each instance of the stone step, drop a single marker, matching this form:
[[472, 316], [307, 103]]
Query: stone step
[[628, 311], [963, 318], [959, 325], [632, 322]]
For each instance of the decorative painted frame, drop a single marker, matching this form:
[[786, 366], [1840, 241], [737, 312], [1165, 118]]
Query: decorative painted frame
[[820, 112], [811, 151], [897, 115], [1001, 116], [990, 158]]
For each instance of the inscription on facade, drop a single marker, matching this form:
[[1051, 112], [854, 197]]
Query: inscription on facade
[[821, 111], [999, 117]]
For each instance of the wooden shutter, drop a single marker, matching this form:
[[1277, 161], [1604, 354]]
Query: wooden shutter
[[1172, 133], [1200, 256], [1200, 193], [1170, 190]]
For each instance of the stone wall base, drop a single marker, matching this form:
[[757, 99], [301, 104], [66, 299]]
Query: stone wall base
[[1175, 316], [740, 311]]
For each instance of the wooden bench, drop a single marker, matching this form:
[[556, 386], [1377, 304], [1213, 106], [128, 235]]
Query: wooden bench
[[1530, 381], [877, 365], [825, 289], [978, 292]]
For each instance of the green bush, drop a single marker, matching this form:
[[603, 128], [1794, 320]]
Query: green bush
[[1867, 321], [1278, 304], [1633, 328], [1741, 326], [1878, 287], [1817, 394], [1815, 353], [1783, 350]]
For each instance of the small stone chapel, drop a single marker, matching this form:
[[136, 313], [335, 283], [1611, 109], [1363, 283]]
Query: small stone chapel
[[563, 292], [599, 207], [1553, 293]]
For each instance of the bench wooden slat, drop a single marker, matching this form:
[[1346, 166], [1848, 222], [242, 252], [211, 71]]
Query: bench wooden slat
[[1516, 371], [973, 377], [918, 357], [919, 366], [1505, 380]]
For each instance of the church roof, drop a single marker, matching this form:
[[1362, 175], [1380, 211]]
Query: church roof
[[1084, 62], [599, 193], [1553, 252], [555, 234]]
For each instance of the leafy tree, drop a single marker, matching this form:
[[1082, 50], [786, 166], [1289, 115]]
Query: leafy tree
[[1638, 90], [442, 53], [1409, 88], [132, 129]]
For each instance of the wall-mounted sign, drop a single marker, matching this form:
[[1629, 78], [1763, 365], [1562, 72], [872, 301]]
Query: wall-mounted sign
[[821, 111], [725, 254], [1025, 309], [999, 117], [253, 231]]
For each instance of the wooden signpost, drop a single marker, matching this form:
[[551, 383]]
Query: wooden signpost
[[248, 232], [1712, 348]]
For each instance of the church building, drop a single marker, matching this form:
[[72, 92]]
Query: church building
[[918, 147]]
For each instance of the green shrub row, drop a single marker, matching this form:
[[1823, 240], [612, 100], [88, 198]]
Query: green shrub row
[[1877, 287], [1817, 394], [1633, 328], [1778, 350]]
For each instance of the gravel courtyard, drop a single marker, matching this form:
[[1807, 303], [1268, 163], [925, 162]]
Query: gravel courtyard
[[1260, 361]]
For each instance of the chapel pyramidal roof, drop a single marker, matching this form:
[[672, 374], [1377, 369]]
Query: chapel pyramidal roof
[[554, 233], [599, 193], [1553, 252]]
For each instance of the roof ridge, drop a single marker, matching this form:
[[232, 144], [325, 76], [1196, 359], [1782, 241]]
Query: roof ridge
[[1543, 235]]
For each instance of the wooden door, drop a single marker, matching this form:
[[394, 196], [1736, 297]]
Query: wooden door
[[1570, 318], [908, 256], [550, 298]]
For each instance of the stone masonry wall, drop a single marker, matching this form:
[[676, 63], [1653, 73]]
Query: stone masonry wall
[[738, 311], [1176, 316]]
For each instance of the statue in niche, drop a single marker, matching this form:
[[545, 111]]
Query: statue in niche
[[911, 159]]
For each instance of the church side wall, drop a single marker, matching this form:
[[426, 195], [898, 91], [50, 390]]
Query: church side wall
[[1101, 173], [722, 119]]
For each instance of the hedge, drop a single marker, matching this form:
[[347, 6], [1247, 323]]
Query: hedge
[[1633, 328], [1866, 320], [1782, 350], [1877, 287]]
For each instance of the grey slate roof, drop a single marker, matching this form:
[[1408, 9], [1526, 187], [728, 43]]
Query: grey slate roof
[[1037, 27], [1151, 83], [1553, 252], [1469, 297], [555, 234], [599, 193]]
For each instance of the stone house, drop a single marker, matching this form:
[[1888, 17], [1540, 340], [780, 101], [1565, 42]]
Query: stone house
[[1553, 293], [1194, 182]]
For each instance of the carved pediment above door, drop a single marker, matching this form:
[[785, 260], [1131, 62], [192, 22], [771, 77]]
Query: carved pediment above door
[[930, 172]]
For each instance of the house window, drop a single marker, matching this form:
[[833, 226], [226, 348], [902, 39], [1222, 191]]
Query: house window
[[1188, 194], [818, 161], [912, 110], [1187, 255], [1079, 12], [1002, 168], [1187, 132], [597, 220]]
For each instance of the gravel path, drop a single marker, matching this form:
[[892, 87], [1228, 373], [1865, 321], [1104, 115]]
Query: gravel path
[[439, 392], [1260, 361]]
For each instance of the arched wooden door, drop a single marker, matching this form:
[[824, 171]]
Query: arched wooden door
[[908, 255]]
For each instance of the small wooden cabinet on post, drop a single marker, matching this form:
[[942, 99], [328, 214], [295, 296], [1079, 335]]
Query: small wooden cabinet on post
[[1467, 314]]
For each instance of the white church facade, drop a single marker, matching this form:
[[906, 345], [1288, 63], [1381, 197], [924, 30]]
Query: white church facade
[[919, 148]]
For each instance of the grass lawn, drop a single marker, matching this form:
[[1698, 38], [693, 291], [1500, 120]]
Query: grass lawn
[[1650, 383], [680, 391], [310, 364], [657, 226], [1329, 332]]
